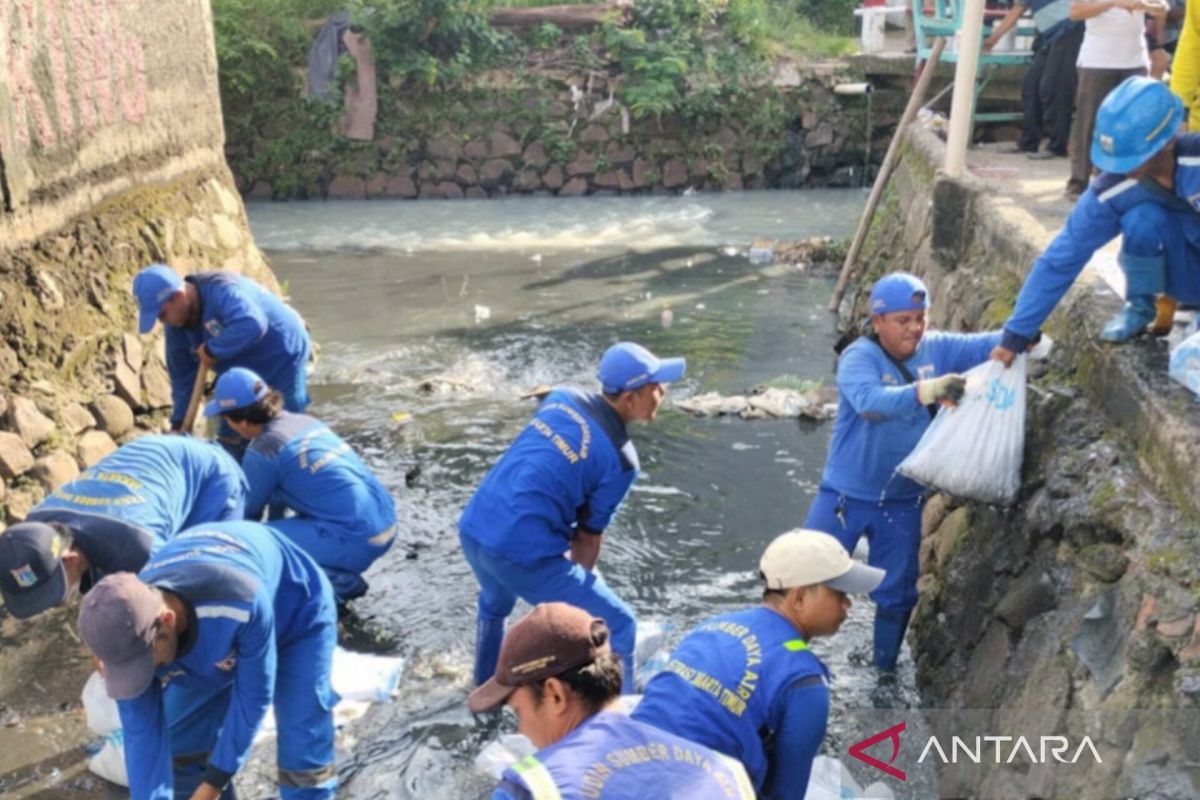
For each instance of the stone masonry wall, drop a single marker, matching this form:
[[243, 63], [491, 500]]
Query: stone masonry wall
[[1084, 598], [111, 157], [564, 135]]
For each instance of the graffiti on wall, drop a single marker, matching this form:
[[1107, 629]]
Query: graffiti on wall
[[70, 68]]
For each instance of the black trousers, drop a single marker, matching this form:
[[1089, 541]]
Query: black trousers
[[1048, 93]]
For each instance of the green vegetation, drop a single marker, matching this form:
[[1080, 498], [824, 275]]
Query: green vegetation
[[676, 62]]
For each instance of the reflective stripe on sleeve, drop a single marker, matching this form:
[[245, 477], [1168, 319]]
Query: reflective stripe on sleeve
[[539, 780]]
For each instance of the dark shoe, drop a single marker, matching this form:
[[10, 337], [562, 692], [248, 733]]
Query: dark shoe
[[1042, 155]]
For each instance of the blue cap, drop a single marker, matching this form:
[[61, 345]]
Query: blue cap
[[1136, 120], [236, 388], [627, 366], [899, 291], [32, 578], [152, 286]]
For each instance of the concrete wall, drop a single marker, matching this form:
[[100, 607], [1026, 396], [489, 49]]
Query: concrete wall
[[111, 157]]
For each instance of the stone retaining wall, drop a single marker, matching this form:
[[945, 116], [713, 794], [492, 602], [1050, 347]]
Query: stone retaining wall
[[568, 137], [1084, 597], [111, 156]]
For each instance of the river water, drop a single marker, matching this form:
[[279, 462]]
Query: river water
[[433, 317]]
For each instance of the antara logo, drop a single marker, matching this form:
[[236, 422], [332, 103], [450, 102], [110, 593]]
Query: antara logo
[[1002, 749], [892, 733]]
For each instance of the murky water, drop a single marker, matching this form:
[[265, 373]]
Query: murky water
[[439, 314]]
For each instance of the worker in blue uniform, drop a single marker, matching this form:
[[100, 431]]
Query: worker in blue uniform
[[225, 621], [1149, 192], [889, 385], [558, 673], [343, 516], [555, 490], [218, 321], [746, 684], [113, 516]]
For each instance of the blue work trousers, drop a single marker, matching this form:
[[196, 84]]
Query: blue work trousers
[[343, 557], [893, 530], [304, 701], [550, 580], [1149, 230]]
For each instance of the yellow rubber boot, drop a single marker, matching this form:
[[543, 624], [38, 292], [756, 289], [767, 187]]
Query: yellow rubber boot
[[1164, 319]]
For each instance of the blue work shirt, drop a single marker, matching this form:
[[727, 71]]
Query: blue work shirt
[[136, 498], [1094, 222], [880, 420], [746, 685], [567, 471], [612, 757], [298, 462], [250, 592], [241, 325]]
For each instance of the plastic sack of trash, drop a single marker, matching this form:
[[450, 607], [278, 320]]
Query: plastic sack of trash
[[360, 679], [973, 450], [1185, 363]]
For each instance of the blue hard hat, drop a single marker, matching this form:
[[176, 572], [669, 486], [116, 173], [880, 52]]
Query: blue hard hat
[[152, 286], [1135, 121], [899, 291], [627, 366], [236, 388]]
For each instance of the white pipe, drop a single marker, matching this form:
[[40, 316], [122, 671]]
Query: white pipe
[[853, 88], [970, 37]]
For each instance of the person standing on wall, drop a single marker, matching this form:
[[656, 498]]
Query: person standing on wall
[[555, 490], [890, 384], [1114, 48], [1048, 89], [217, 320]]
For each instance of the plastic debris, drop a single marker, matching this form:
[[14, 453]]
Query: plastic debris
[[360, 678], [1184, 365], [482, 313], [402, 417], [760, 255]]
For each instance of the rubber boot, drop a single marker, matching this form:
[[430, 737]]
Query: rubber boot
[[1145, 277], [889, 636], [1164, 320], [489, 633]]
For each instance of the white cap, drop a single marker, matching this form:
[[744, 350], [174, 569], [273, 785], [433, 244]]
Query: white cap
[[805, 558]]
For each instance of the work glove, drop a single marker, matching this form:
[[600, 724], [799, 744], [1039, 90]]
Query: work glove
[[946, 389]]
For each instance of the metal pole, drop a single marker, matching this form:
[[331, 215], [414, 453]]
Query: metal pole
[[962, 107], [885, 171]]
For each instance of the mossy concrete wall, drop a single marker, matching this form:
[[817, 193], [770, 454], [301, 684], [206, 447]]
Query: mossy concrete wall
[[1083, 598], [111, 156]]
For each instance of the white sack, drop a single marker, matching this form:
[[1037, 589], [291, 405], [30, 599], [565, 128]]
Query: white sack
[[1185, 363], [974, 450]]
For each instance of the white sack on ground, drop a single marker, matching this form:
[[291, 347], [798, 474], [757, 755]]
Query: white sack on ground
[[360, 679], [974, 450]]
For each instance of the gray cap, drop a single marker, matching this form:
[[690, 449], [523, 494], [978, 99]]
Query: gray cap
[[118, 620]]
